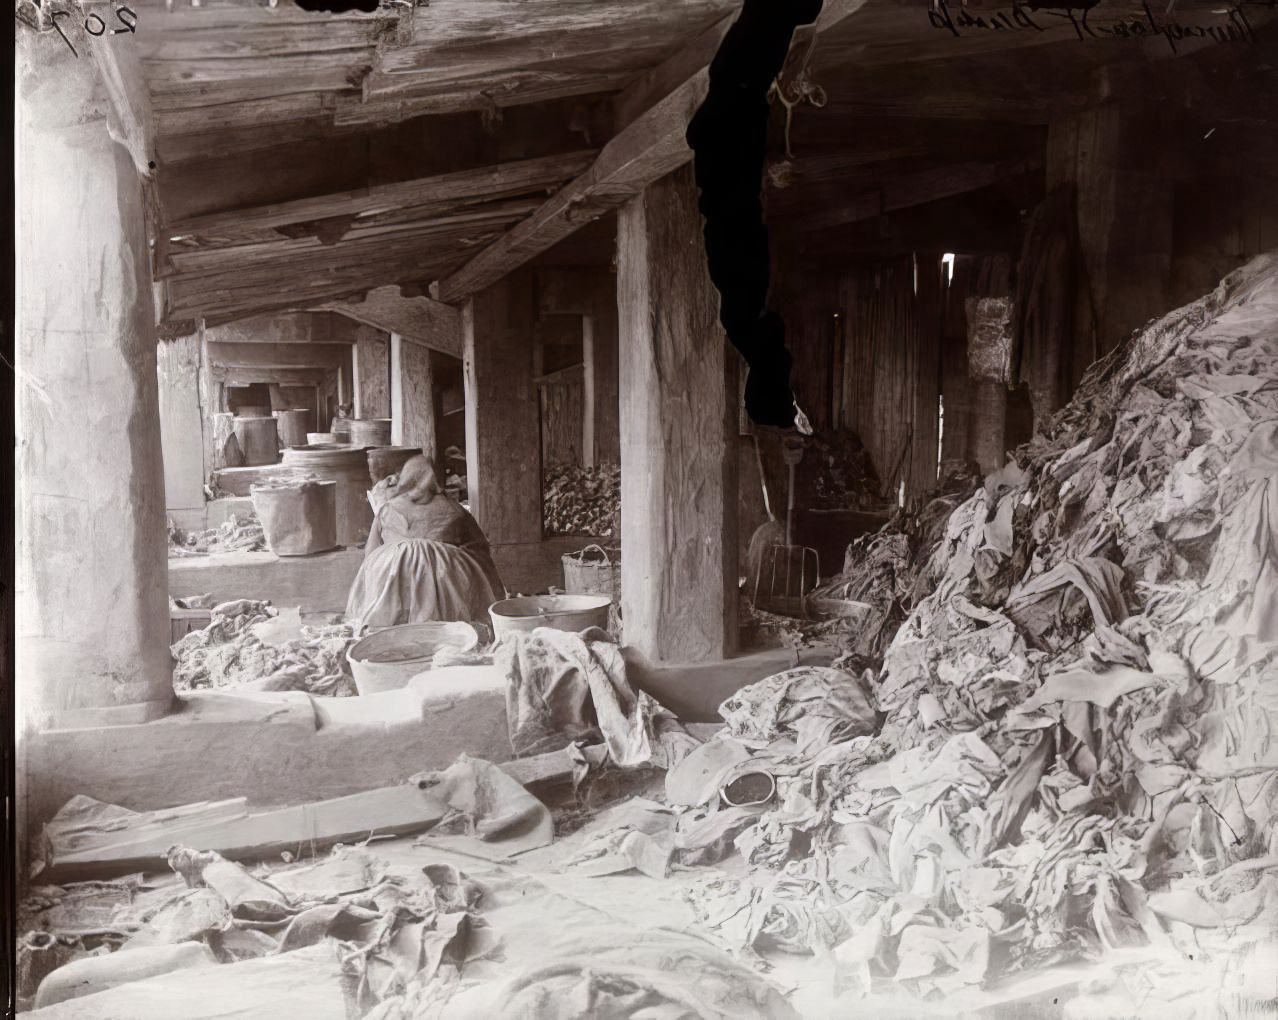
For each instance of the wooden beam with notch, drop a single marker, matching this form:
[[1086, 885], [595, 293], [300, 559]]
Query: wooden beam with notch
[[645, 150], [417, 319], [462, 188]]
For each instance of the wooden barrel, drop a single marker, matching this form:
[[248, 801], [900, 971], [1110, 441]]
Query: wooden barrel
[[387, 460], [367, 432], [259, 440], [293, 424], [348, 466], [226, 448]]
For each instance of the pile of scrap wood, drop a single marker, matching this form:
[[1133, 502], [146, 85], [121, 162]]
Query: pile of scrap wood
[[250, 645], [582, 501], [241, 533]]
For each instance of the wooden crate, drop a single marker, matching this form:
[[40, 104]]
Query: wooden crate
[[183, 621]]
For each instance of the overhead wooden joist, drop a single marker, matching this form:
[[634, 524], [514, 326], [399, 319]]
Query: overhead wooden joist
[[917, 188], [650, 146], [419, 319], [416, 199], [294, 254], [243, 75], [309, 273]]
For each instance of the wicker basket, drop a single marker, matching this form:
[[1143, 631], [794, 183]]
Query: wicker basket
[[598, 575]]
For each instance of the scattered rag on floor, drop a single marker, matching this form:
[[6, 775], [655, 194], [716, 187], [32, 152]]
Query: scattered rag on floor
[[563, 687]]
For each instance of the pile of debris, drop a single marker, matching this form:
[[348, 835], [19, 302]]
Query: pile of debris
[[836, 473], [884, 575], [240, 533], [582, 501], [888, 572], [1066, 754], [1075, 752], [250, 645], [361, 922]]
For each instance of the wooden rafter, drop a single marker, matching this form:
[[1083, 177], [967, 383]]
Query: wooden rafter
[[901, 191], [294, 254], [431, 195], [650, 146], [419, 319], [232, 72]]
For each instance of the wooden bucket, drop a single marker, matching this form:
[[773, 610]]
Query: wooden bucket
[[259, 440], [293, 424], [370, 432]]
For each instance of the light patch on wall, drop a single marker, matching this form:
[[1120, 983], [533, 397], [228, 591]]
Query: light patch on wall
[[940, 432], [947, 263]]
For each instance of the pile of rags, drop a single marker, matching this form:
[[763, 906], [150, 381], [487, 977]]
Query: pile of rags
[[251, 645], [564, 688], [241, 533], [888, 571], [387, 927], [1077, 752]]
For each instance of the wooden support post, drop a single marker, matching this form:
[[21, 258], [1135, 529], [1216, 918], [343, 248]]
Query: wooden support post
[[345, 382], [397, 389], [587, 391], [372, 374], [593, 295], [181, 429], [603, 374], [503, 449], [678, 379], [91, 604], [921, 475], [415, 383]]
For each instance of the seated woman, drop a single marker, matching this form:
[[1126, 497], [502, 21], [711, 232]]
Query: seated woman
[[426, 558]]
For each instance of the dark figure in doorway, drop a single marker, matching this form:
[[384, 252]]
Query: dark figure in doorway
[[426, 557]]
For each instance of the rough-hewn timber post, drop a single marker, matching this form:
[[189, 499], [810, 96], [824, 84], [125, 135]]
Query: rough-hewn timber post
[[503, 440], [679, 395], [92, 602]]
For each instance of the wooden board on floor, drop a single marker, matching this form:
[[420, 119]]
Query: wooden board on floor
[[75, 852]]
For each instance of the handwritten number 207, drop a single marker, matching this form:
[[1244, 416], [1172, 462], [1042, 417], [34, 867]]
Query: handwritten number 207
[[130, 24]]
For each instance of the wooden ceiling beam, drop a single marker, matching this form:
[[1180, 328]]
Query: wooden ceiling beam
[[429, 323], [470, 187], [650, 146], [906, 190]]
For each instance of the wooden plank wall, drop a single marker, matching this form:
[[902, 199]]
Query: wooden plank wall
[[562, 409], [888, 366], [372, 348], [875, 351]]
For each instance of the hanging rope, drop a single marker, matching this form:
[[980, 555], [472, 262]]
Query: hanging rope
[[802, 89]]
